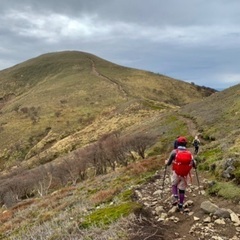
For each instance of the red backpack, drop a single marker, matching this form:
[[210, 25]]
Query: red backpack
[[182, 163]]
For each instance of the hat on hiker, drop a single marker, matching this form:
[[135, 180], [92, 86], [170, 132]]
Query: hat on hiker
[[182, 140]]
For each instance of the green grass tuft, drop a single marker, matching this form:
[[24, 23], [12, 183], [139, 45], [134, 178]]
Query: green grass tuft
[[226, 190], [106, 216]]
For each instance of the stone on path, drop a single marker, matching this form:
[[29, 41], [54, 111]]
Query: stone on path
[[209, 207]]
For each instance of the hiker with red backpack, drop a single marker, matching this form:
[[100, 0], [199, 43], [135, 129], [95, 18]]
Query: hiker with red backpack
[[175, 144], [182, 162]]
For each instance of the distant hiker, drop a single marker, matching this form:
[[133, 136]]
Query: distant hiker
[[196, 143], [175, 144], [182, 162]]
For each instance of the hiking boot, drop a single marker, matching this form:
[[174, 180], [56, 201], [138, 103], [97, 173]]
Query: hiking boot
[[180, 208], [175, 200]]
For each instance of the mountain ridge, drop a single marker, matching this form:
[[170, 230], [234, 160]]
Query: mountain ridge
[[80, 140], [71, 89]]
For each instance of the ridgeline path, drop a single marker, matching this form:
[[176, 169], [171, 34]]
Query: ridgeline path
[[159, 220]]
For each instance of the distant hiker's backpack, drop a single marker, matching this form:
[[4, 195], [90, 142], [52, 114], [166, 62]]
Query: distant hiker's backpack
[[182, 163], [195, 143]]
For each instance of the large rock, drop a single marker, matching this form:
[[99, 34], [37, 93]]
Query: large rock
[[209, 207], [222, 213], [229, 168], [235, 218]]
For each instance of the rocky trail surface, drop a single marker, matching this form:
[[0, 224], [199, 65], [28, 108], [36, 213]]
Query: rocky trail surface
[[203, 217]]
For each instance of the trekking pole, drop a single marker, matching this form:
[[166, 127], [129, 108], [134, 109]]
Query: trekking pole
[[197, 178], [164, 176]]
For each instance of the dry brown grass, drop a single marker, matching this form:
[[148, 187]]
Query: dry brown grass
[[143, 111], [57, 95], [24, 204], [103, 196], [6, 215], [142, 166]]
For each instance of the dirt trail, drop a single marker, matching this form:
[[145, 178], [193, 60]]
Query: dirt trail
[[192, 129], [160, 220], [112, 81]]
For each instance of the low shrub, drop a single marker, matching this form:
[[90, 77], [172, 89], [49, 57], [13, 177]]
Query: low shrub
[[226, 190], [104, 196]]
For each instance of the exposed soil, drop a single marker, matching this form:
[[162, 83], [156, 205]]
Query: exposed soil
[[189, 225]]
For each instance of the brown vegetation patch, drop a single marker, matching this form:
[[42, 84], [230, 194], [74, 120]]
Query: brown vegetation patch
[[104, 195], [6, 226], [24, 204], [64, 192], [144, 165], [6, 215]]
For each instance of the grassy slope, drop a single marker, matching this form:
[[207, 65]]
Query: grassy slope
[[217, 110], [86, 210], [67, 94], [218, 120], [70, 206], [218, 115], [98, 208]]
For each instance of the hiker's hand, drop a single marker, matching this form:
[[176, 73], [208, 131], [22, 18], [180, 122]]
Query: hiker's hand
[[166, 161], [194, 164]]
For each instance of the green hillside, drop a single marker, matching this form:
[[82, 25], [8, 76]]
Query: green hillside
[[218, 120], [81, 135], [49, 98]]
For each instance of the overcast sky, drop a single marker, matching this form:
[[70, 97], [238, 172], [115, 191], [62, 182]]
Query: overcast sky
[[192, 40]]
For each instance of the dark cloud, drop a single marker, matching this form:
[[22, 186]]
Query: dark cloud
[[196, 41]]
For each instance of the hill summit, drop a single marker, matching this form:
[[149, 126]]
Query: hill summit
[[52, 97], [83, 146]]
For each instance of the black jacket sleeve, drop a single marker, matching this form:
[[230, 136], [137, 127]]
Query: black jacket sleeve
[[171, 158]]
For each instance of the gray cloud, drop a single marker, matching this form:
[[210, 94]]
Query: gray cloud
[[196, 41]]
